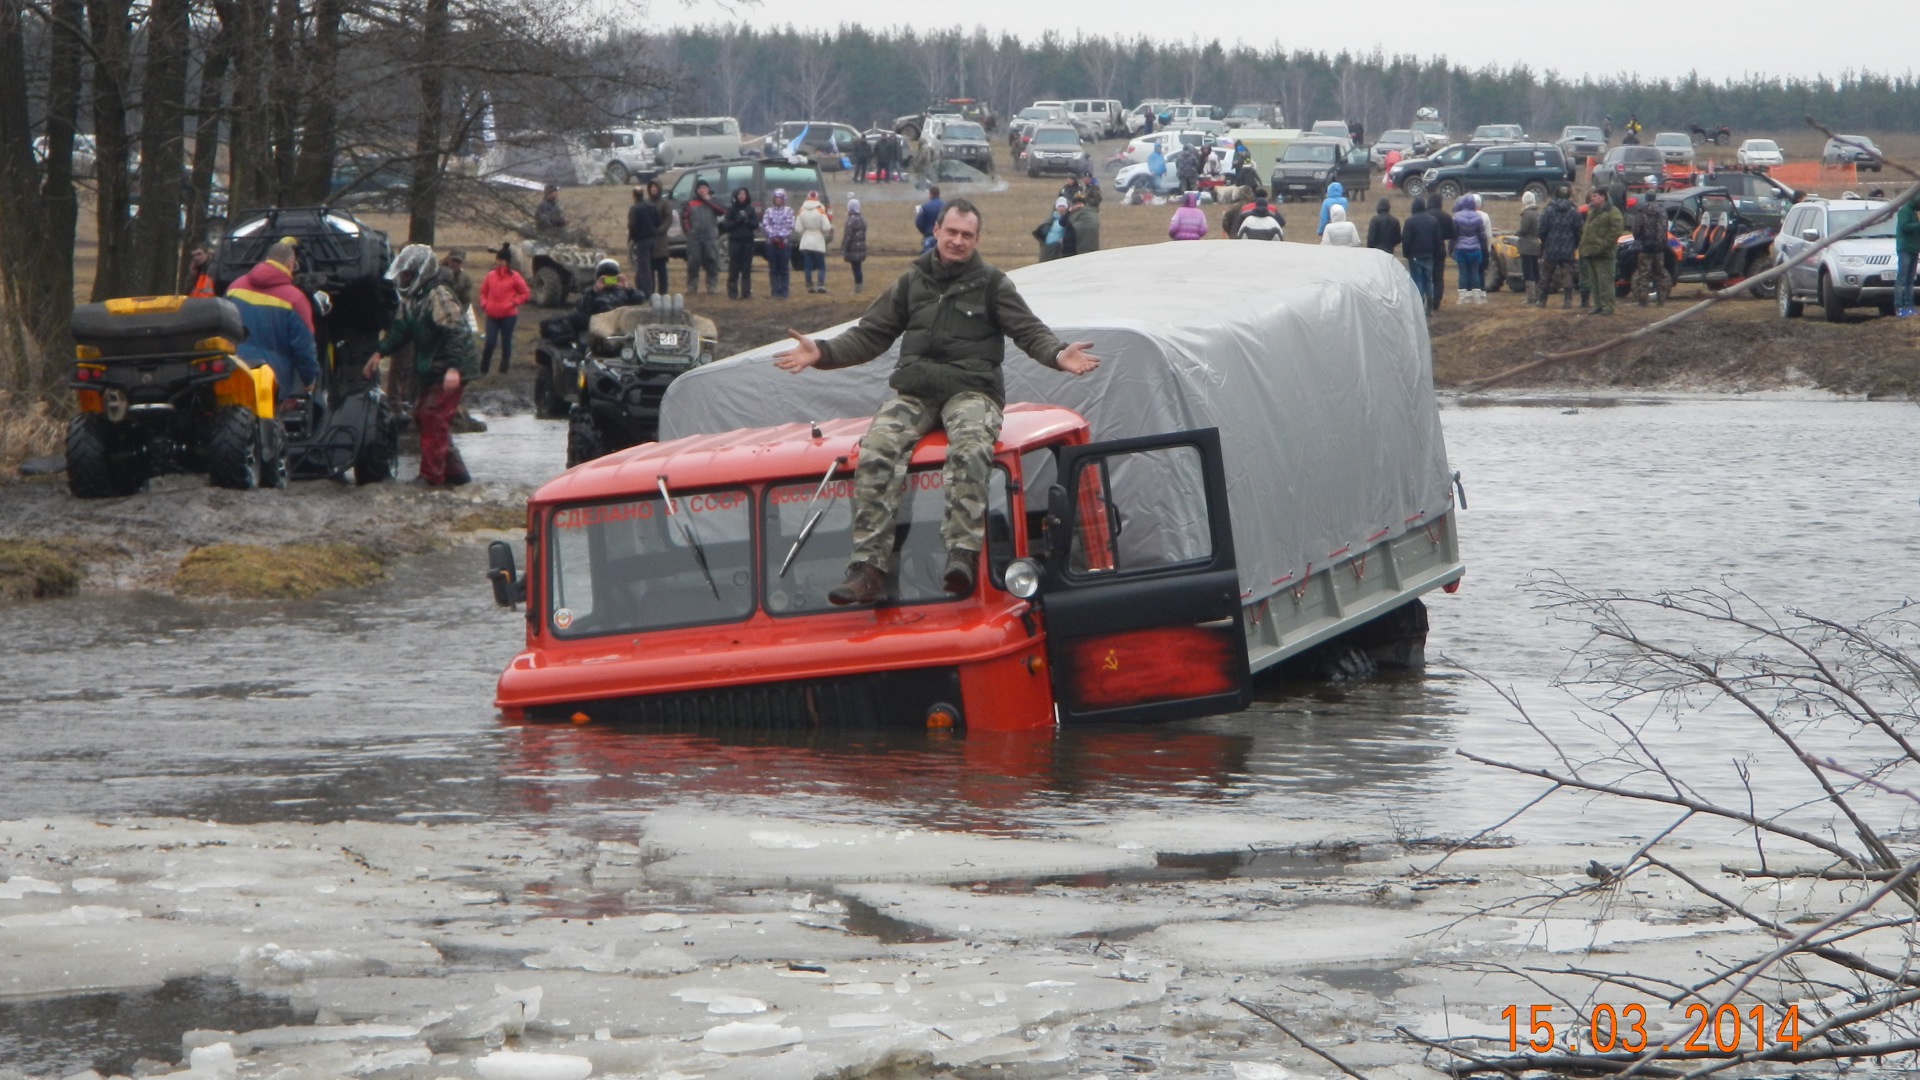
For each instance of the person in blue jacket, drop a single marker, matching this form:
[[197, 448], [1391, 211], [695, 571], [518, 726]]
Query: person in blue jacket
[[928, 215], [276, 334], [1336, 196]]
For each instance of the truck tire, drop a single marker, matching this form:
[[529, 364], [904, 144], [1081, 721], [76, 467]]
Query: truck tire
[[617, 174], [1447, 190], [233, 449], [90, 469], [549, 287], [1789, 307], [1414, 186], [1538, 189], [583, 441], [1832, 308], [1757, 265]]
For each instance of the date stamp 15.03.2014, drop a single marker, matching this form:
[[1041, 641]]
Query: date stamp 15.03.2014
[[1605, 1029]]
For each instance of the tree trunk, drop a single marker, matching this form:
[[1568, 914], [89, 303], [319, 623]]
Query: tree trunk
[[313, 170], [248, 139], [284, 91], [38, 210], [155, 259], [206, 137], [424, 198], [112, 31]]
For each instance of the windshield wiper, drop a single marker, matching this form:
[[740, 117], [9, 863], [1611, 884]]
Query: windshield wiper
[[812, 519], [692, 538]]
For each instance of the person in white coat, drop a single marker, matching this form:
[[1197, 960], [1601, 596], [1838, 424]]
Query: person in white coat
[[1340, 232], [814, 229]]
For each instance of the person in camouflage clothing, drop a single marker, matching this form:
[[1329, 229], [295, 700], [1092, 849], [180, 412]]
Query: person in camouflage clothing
[[1598, 241], [431, 322], [951, 313], [1560, 225], [1649, 225]]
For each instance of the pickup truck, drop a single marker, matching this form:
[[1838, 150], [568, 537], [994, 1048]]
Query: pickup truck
[[1266, 482]]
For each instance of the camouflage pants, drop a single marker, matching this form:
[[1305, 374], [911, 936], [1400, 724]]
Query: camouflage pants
[[1559, 275], [1650, 274], [972, 423]]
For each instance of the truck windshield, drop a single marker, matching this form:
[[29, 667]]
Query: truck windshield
[[1843, 219], [919, 555], [1320, 152], [618, 567], [964, 131], [1056, 137]]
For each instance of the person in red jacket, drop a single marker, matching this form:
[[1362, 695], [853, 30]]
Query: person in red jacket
[[273, 276], [502, 292]]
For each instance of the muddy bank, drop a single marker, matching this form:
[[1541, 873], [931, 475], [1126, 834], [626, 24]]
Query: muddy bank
[[740, 946]]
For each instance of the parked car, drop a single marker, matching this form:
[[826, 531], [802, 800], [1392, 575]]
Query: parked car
[[1139, 177], [822, 141], [1186, 113], [1410, 174], [760, 176], [1331, 129], [1501, 170], [913, 125], [711, 138], [953, 138], [1401, 139], [1056, 148], [1676, 147], [1499, 133], [619, 155], [1432, 130], [1098, 118], [1255, 114], [1856, 272], [1855, 150], [85, 155], [1760, 152], [1756, 195], [1314, 161], [1581, 141], [1169, 142], [1020, 128], [1137, 116], [1632, 165]]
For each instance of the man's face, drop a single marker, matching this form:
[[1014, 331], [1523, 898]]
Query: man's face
[[956, 236], [455, 264], [1596, 200]]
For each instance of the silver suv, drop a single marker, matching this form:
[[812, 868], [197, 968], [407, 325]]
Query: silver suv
[[1856, 272]]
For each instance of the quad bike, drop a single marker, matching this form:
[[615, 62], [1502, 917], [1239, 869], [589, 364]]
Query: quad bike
[[342, 422], [1721, 250], [160, 389], [623, 363], [1719, 136]]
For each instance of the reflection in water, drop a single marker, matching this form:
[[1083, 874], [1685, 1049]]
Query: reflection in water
[[376, 704]]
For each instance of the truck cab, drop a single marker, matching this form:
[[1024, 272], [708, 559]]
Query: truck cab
[[716, 555]]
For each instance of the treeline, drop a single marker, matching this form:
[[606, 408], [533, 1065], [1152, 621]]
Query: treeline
[[862, 76], [149, 108]]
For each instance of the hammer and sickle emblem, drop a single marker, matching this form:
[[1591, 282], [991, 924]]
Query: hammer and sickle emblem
[[1111, 663]]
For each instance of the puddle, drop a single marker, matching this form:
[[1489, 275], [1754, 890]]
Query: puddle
[[1381, 983], [110, 1032]]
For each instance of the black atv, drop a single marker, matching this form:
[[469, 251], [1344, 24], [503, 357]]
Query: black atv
[[344, 421], [608, 378], [160, 390]]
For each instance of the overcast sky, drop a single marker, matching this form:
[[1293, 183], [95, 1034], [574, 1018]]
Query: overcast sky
[[1721, 42]]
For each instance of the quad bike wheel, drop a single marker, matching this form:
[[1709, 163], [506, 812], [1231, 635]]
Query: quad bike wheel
[[549, 287], [1757, 265], [545, 405], [377, 455], [583, 442], [1722, 139], [90, 470], [233, 449]]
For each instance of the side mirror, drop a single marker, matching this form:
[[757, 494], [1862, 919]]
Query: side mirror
[[1059, 506], [508, 588], [1810, 234]]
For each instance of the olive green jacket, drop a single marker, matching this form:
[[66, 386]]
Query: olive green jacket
[[1602, 233], [952, 322]]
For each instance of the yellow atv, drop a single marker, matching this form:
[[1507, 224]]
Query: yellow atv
[[161, 390]]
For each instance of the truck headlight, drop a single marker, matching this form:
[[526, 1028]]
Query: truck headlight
[[1023, 578], [1852, 260]]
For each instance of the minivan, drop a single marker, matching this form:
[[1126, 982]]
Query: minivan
[[709, 138], [1098, 117], [758, 175]]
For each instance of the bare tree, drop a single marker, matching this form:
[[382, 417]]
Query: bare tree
[[1837, 703], [935, 59], [1103, 60], [813, 79]]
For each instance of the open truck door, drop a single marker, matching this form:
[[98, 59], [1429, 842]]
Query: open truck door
[[1142, 597]]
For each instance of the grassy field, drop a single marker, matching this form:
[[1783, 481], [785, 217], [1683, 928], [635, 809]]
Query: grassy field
[[1741, 343]]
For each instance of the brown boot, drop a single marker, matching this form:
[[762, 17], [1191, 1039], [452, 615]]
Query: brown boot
[[865, 584], [960, 568]]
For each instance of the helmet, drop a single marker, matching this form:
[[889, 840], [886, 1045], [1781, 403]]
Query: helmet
[[415, 264], [606, 268]]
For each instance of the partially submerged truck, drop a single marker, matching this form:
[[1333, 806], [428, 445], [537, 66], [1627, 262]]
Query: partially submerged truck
[[1256, 470]]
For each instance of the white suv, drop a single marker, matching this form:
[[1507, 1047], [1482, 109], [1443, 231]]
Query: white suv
[[1098, 118], [619, 155], [1856, 272]]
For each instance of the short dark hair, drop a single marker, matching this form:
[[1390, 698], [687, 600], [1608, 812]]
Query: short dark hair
[[933, 191], [960, 206]]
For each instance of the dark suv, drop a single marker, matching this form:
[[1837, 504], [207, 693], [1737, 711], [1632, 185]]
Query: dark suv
[[759, 176], [1631, 165], [1501, 170], [1409, 174], [1311, 162]]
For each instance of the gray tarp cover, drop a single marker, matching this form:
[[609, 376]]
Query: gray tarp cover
[[1313, 362]]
